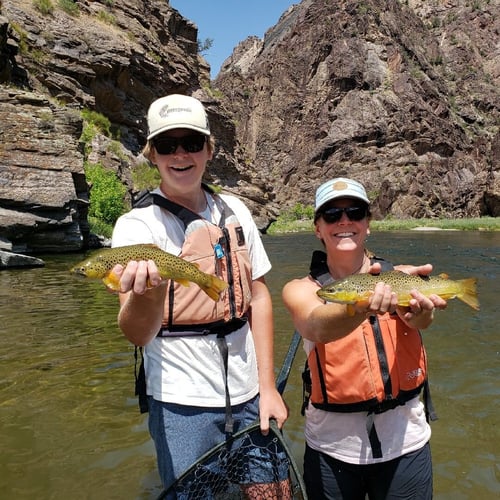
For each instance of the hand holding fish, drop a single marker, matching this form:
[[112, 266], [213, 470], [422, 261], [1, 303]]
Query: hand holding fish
[[137, 276], [380, 301], [420, 310], [142, 266], [359, 288]]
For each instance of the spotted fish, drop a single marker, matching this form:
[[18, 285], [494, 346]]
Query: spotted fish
[[358, 288], [100, 264]]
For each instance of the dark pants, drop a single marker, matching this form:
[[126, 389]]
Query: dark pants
[[408, 477]]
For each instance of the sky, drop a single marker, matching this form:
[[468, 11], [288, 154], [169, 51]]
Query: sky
[[228, 22]]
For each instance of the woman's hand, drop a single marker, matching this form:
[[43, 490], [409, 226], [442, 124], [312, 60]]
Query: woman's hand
[[420, 311], [137, 276], [382, 300]]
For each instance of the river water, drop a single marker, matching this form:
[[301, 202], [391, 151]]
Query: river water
[[69, 422]]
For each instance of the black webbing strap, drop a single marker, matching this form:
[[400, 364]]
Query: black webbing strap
[[222, 345], [140, 382], [373, 436], [430, 412]]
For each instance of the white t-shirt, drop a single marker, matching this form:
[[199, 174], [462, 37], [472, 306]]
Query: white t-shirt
[[344, 436], [189, 370]]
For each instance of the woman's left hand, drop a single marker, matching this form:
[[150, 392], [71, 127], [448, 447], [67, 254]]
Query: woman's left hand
[[420, 311]]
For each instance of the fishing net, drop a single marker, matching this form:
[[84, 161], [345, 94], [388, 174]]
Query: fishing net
[[247, 465], [225, 472]]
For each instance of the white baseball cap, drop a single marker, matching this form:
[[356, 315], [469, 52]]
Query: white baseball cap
[[177, 111], [340, 187]]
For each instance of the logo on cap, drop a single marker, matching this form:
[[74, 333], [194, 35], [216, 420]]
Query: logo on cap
[[166, 110], [339, 186]]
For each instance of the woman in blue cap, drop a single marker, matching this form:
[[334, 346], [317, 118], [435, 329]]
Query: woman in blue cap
[[366, 429]]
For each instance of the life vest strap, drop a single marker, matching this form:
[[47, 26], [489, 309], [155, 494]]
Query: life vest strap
[[219, 328]]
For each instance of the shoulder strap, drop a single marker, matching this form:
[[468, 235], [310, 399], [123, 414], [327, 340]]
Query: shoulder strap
[[145, 198], [319, 268]]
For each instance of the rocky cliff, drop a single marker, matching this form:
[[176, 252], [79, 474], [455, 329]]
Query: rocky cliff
[[111, 57], [401, 95]]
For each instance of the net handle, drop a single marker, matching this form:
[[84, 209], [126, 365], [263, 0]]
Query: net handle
[[287, 362]]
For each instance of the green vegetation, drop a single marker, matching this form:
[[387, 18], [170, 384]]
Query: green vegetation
[[470, 224], [69, 6], [204, 46], [298, 218], [43, 6], [98, 120], [288, 223], [23, 37], [106, 17], [145, 176], [107, 196]]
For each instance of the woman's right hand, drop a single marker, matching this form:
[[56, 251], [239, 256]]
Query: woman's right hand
[[137, 276]]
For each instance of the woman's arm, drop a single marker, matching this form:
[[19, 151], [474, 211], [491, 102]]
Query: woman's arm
[[261, 324], [323, 322], [142, 301]]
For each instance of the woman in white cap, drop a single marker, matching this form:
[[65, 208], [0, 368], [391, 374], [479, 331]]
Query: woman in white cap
[[366, 429], [208, 365]]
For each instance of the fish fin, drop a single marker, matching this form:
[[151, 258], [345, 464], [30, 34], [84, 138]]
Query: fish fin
[[469, 293], [350, 310], [112, 282], [182, 281], [444, 276], [215, 287]]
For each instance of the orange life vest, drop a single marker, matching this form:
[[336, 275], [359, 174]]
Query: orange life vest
[[380, 365], [377, 367]]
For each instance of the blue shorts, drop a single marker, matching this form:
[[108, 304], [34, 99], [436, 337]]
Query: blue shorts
[[408, 477], [182, 434]]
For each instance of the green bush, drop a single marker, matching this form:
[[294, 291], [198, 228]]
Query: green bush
[[145, 176], [69, 6], [98, 120], [107, 194], [297, 212], [43, 6]]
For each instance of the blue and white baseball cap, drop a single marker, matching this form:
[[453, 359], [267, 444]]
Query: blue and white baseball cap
[[340, 187]]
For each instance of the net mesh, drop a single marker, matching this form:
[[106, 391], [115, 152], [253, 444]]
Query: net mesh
[[246, 466]]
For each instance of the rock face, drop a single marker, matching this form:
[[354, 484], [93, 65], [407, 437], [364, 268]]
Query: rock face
[[43, 193], [401, 95], [113, 59]]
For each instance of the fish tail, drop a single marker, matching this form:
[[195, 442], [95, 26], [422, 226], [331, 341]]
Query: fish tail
[[468, 293], [214, 287]]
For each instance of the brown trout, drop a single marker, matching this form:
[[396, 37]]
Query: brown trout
[[100, 263], [358, 288]]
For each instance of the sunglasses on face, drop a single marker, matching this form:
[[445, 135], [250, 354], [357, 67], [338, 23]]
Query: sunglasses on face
[[166, 145], [334, 214]]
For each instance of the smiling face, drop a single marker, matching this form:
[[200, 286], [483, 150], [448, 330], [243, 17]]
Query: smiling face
[[344, 235], [181, 171]]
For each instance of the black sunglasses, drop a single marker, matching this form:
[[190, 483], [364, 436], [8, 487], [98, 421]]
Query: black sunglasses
[[334, 214], [166, 145]]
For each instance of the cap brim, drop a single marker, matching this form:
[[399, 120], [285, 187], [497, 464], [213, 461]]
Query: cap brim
[[189, 126]]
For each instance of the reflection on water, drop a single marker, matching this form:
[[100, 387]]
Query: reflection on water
[[69, 423]]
